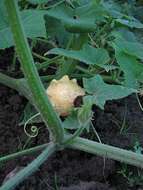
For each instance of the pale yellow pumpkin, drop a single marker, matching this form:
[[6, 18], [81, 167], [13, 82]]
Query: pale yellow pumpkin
[[62, 94]]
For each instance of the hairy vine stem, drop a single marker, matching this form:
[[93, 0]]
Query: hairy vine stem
[[41, 100], [28, 170]]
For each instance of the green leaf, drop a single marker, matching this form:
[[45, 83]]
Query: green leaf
[[119, 12], [80, 19], [99, 92], [79, 117], [131, 48], [124, 34], [127, 54], [5, 35], [71, 122], [55, 28], [88, 55], [37, 1], [33, 23], [131, 67], [130, 22], [3, 14]]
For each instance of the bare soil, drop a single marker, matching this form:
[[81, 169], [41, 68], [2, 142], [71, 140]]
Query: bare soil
[[120, 124]]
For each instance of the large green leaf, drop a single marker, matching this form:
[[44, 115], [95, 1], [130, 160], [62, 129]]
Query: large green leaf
[[80, 19], [88, 55], [124, 34], [99, 92], [33, 23], [131, 48], [113, 8], [127, 54], [130, 22], [121, 13], [37, 1], [5, 35], [54, 29], [3, 14], [131, 67]]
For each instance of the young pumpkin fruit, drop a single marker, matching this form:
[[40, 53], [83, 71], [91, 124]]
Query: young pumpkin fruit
[[62, 94]]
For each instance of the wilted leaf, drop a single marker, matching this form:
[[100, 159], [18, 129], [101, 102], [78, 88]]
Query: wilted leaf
[[99, 92]]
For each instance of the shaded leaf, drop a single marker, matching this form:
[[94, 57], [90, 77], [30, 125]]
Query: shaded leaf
[[80, 19], [131, 67], [55, 28], [99, 92], [124, 34], [71, 122], [79, 117], [37, 1], [119, 11], [131, 22], [33, 23], [5, 35], [131, 48], [88, 55], [127, 54]]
